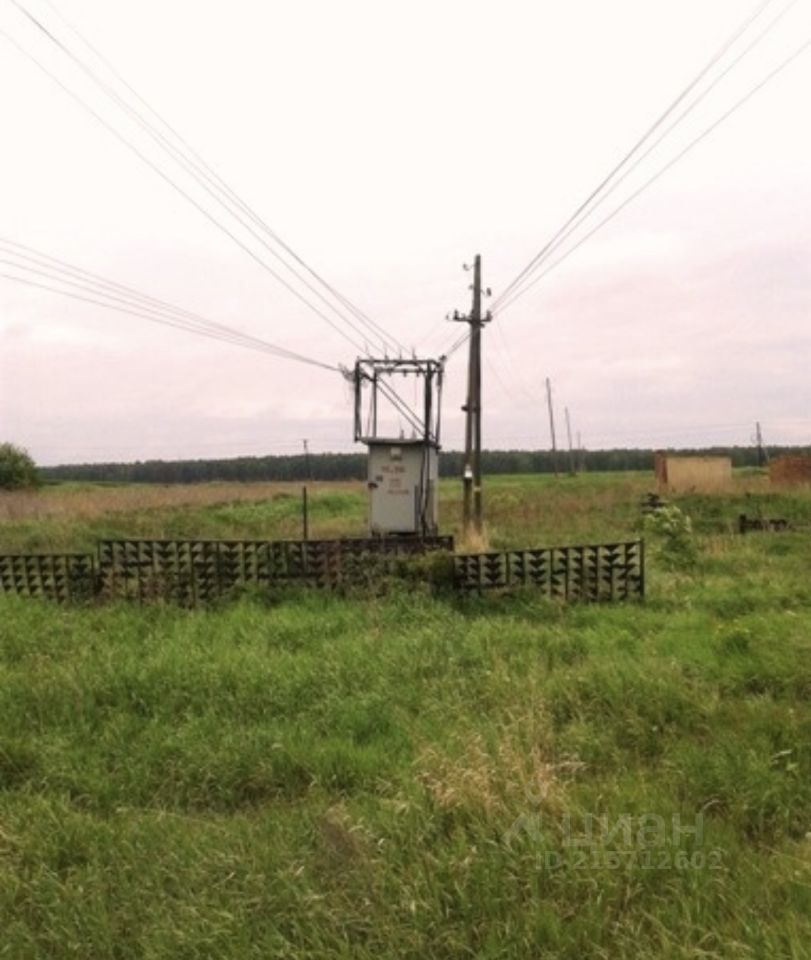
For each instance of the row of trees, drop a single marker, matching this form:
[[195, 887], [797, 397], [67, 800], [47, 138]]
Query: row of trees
[[352, 466]]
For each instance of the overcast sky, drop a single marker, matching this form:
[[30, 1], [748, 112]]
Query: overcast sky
[[387, 144]]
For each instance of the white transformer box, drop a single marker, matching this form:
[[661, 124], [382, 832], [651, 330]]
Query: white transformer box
[[402, 472], [402, 479]]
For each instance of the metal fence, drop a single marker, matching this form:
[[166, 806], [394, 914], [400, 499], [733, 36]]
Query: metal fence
[[197, 571], [65, 576], [192, 572], [611, 571], [771, 525]]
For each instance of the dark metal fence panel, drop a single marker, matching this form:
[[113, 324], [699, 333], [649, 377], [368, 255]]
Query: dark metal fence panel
[[192, 572], [197, 571], [770, 524], [185, 571], [68, 576], [612, 571]]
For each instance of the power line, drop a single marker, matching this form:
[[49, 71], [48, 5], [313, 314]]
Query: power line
[[194, 170], [202, 165], [693, 143], [519, 378], [400, 405], [170, 316], [204, 177], [717, 56], [456, 345], [92, 294], [500, 380], [164, 176], [63, 267], [576, 221], [279, 352], [200, 175]]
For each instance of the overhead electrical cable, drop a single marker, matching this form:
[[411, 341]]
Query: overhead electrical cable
[[402, 408], [716, 57], [133, 311], [63, 267], [216, 188], [193, 165], [139, 153], [559, 240], [128, 301], [603, 190], [671, 163], [457, 344], [202, 178], [517, 378], [563, 235], [202, 165], [399, 404], [501, 381], [194, 169], [167, 316]]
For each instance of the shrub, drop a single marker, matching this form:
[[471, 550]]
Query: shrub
[[17, 469], [672, 531]]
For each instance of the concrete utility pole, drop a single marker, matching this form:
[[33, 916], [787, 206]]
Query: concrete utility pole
[[307, 460], [761, 453], [572, 469], [472, 510], [552, 426]]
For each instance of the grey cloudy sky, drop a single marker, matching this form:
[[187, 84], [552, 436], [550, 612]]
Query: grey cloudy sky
[[387, 143]]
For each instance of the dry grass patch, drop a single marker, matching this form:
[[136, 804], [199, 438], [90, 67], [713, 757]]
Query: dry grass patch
[[474, 542], [344, 841], [506, 774], [82, 503]]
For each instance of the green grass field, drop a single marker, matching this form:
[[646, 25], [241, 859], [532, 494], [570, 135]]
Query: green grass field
[[305, 775]]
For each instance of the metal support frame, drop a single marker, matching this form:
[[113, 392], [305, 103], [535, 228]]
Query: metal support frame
[[374, 375]]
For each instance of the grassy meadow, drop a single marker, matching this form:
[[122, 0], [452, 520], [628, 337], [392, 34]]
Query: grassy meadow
[[408, 775]]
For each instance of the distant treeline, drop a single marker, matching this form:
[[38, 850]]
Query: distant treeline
[[352, 466]]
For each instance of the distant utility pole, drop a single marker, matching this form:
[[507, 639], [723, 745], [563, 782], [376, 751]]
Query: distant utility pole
[[472, 510], [307, 470], [572, 469], [552, 426], [762, 456], [581, 454]]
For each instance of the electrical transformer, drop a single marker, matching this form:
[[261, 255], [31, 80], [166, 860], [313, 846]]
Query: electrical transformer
[[402, 478], [402, 470]]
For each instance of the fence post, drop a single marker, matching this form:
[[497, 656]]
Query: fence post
[[642, 568]]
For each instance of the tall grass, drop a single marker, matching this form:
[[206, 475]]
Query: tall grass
[[303, 775], [74, 517]]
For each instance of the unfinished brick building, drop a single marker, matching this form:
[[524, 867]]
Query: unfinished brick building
[[790, 471]]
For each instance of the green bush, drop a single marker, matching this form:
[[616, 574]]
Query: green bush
[[17, 469], [672, 531]]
